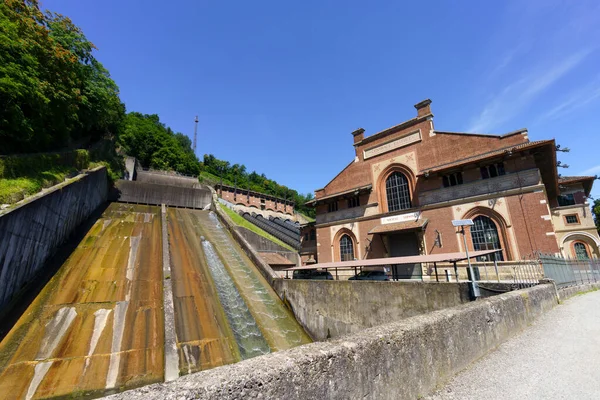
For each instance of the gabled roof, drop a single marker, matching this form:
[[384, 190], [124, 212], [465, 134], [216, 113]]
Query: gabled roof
[[575, 179], [489, 135], [365, 188], [586, 181], [487, 155]]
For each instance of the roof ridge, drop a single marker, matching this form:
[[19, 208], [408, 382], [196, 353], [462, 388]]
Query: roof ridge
[[490, 152]]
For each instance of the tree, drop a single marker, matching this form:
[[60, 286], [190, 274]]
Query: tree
[[596, 212], [53, 92], [144, 137]]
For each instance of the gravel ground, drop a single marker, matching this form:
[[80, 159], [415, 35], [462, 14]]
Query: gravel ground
[[558, 357]]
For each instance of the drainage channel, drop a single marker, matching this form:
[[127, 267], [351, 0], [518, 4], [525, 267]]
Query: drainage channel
[[248, 337]]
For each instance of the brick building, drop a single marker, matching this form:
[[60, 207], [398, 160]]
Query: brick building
[[257, 200], [407, 183], [576, 232]]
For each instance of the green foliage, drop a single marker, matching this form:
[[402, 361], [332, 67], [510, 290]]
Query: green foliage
[[54, 95], [596, 212], [53, 92], [156, 146], [236, 174], [240, 221], [24, 175]]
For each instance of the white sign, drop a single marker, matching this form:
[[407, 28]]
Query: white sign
[[401, 218], [394, 144]]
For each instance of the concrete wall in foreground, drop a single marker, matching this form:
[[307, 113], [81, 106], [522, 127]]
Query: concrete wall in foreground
[[401, 360], [32, 232], [330, 309], [157, 194]]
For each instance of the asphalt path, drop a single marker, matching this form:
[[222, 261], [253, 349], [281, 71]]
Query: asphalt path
[[558, 357]]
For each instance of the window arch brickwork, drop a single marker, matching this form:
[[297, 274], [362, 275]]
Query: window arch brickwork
[[397, 192], [581, 250], [485, 236], [346, 248], [344, 234], [501, 228], [401, 181]]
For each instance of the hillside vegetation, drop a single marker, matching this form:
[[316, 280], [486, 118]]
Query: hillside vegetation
[[55, 96]]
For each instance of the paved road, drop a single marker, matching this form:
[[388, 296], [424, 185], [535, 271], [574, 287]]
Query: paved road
[[556, 358]]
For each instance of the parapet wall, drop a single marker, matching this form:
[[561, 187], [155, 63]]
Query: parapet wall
[[164, 178], [259, 243], [402, 360], [330, 309], [33, 231], [157, 194]]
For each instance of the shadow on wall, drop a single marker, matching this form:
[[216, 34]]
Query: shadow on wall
[[157, 194], [330, 309]]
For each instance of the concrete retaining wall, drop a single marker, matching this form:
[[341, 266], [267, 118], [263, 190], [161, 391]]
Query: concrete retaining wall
[[32, 232], [401, 360], [330, 309], [259, 243], [571, 291], [156, 194], [162, 178]]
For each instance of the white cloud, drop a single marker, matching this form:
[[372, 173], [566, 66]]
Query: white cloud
[[576, 100], [517, 96], [591, 171]]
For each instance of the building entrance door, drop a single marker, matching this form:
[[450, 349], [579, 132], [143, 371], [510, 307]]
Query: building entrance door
[[401, 245]]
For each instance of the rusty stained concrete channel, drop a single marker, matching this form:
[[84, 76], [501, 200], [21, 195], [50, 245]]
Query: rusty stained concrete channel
[[98, 326]]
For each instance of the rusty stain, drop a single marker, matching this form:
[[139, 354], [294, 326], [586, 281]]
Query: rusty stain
[[205, 340], [98, 323], [94, 278]]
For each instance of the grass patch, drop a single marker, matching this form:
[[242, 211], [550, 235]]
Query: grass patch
[[309, 219], [240, 221], [211, 179], [26, 174], [586, 292], [16, 189]]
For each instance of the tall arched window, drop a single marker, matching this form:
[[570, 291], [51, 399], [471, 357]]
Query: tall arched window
[[485, 237], [398, 192], [581, 251], [346, 248]]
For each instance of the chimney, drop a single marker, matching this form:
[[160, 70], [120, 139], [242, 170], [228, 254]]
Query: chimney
[[359, 135], [423, 108]]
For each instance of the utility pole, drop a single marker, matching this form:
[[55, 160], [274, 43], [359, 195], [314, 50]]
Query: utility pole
[[461, 223], [195, 133]]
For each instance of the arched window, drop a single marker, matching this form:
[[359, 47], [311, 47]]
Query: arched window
[[346, 248], [485, 237], [581, 251], [398, 192]]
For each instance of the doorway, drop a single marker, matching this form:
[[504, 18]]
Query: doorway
[[402, 245]]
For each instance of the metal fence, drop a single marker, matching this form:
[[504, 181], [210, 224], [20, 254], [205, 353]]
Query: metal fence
[[569, 272], [527, 273]]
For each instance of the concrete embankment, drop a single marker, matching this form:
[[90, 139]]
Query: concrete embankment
[[330, 309], [157, 194], [167, 179], [33, 231], [97, 325], [401, 360]]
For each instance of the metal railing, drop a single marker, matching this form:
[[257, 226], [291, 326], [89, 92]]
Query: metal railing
[[570, 272]]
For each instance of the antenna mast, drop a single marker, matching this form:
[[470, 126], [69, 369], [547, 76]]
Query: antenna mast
[[195, 132]]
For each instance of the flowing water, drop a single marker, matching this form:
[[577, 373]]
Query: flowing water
[[98, 326], [248, 337]]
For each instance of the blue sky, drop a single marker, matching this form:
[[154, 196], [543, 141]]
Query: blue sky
[[279, 86]]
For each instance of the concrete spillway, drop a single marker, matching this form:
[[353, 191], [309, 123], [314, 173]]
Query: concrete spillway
[[99, 325]]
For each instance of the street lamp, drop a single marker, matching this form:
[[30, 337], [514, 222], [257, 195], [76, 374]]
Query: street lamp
[[461, 223]]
